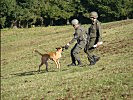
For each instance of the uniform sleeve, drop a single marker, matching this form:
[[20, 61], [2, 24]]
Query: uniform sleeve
[[99, 32], [74, 39], [76, 36]]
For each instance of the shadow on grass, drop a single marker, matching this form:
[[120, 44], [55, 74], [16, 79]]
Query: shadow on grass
[[28, 73], [32, 73]]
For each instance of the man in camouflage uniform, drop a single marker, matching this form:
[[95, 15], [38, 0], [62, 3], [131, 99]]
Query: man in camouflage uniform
[[94, 34], [81, 37]]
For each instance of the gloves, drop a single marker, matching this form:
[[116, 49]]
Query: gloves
[[66, 46]]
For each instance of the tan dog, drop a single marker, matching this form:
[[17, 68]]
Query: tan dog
[[55, 56]]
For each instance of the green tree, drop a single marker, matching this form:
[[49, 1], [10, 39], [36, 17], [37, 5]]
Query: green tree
[[30, 12], [7, 12], [67, 9], [24, 13], [126, 10], [110, 9]]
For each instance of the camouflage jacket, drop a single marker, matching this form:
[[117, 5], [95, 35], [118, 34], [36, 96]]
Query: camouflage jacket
[[94, 31], [79, 35]]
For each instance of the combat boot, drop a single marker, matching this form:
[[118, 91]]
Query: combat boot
[[96, 58], [79, 63], [72, 64], [92, 63]]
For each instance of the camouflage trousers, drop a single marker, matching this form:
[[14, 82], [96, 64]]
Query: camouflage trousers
[[89, 49], [76, 50]]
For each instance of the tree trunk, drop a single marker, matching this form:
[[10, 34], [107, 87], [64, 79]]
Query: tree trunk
[[51, 22], [41, 19], [19, 24], [14, 24], [68, 22]]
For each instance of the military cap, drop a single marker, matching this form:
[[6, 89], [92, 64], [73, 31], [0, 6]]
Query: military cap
[[75, 22], [94, 14]]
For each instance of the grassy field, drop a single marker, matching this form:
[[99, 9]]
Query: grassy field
[[110, 79]]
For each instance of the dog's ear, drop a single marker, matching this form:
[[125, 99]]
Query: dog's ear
[[59, 48], [63, 47], [56, 48]]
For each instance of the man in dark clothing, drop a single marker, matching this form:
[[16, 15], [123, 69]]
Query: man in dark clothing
[[94, 34], [81, 37]]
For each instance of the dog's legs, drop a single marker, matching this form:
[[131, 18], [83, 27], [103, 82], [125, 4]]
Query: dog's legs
[[46, 63], [40, 66], [58, 63]]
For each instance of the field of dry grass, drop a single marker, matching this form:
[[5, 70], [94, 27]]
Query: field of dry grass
[[110, 79]]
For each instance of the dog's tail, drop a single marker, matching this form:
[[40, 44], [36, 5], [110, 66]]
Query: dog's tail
[[38, 52]]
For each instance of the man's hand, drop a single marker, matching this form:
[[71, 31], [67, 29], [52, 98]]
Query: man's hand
[[96, 45], [99, 43], [67, 46]]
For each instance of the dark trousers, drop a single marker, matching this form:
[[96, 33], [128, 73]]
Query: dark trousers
[[76, 50], [89, 49]]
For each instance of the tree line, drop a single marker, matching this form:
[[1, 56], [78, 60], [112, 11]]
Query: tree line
[[29, 13]]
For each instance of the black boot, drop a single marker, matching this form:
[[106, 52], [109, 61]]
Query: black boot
[[91, 60], [92, 63], [79, 63], [72, 64], [96, 58]]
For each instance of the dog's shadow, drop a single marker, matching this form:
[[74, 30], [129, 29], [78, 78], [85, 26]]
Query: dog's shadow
[[32, 73], [29, 73]]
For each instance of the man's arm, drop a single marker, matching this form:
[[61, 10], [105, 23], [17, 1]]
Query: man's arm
[[76, 35], [99, 37], [74, 39], [99, 32]]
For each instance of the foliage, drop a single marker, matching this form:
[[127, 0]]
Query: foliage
[[25, 13]]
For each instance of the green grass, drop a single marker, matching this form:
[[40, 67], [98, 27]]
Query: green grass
[[110, 79]]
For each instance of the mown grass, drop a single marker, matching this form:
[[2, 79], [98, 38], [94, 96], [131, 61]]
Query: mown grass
[[110, 79]]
